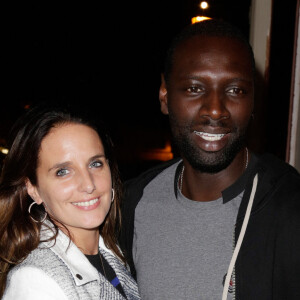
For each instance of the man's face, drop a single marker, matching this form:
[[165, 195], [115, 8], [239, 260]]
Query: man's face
[[209, 99]]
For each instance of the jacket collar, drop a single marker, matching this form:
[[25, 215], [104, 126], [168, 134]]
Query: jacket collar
[[79, 266], [270, 171], [240, 184]]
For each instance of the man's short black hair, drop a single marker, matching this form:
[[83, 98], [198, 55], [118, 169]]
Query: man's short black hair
[[212, 28]]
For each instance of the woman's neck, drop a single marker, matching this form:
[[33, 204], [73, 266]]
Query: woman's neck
[[86, 240]]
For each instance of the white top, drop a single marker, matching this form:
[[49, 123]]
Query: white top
[[28, 281]]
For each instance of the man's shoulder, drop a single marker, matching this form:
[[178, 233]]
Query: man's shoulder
[[277, 175], [275, 166], [134, 187], [145, 177]]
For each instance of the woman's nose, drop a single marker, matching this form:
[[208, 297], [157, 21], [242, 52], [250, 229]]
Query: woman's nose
[[87, 182]]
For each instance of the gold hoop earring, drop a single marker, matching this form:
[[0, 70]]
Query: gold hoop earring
[[113, 195], [32, 218]]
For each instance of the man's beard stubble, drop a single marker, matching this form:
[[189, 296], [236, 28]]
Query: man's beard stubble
[[203, 161]]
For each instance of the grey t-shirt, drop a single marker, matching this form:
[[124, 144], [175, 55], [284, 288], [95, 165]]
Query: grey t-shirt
[[181, 248]]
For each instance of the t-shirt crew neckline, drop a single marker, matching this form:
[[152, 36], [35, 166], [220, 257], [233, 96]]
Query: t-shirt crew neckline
[[228, 194]]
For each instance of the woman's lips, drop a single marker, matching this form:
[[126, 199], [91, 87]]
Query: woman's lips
[[87, 205]]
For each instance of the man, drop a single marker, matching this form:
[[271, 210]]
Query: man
[[221, 222]]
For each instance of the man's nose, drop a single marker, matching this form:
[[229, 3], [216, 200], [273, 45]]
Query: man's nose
[[214, 106]]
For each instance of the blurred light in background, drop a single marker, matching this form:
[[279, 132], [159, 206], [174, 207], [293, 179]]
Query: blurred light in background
[[3, 150], [199, 19], [203, 5], [158, 154]]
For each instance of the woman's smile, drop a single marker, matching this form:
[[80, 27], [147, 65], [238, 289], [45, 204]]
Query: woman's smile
[[87, 205]]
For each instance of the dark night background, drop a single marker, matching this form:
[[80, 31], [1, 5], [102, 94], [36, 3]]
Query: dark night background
[[108, 57]]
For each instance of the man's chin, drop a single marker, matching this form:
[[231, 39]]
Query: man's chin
[[211, 163], [210, 168]]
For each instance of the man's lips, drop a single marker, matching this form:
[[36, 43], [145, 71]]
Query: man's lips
[[210, 136], [211, 142]]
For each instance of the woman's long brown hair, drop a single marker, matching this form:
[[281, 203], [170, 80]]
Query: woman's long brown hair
[[19, 234]]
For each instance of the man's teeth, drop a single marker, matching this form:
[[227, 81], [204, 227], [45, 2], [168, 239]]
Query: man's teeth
[[86, 203], [209, 136]]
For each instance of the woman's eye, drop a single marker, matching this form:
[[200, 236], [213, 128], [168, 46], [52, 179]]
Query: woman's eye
[[62, 172], [96, 164]]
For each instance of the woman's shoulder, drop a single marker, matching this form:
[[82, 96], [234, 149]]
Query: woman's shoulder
[[40, 257], [29, 281], [42, 261]]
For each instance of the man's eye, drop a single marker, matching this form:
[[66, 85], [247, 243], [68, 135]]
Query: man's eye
[[62, 172], [194, 89], [236, 91], [96, 164]]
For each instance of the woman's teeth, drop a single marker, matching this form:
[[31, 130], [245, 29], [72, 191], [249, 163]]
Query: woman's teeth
[[209, 136], [86, 203]]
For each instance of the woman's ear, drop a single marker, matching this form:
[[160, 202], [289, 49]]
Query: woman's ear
[[33, 192], [163, 96]]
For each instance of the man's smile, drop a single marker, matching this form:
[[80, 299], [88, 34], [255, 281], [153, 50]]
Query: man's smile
[[209, 136]]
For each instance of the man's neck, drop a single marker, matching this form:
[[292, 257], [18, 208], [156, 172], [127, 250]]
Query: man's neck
[[200, 186]]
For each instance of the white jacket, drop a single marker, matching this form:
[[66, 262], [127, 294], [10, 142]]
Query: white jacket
[[61, 271]]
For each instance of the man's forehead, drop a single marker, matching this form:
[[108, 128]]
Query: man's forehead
[[212, 41]]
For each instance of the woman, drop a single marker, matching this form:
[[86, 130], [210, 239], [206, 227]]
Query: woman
[[59, 212]]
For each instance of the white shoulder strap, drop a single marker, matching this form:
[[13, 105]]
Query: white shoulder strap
[[240, 239]]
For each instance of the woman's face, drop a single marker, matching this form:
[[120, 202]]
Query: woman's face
[[73, 178]]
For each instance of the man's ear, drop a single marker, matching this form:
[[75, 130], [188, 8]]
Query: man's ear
[[163, 96], [33, 192]]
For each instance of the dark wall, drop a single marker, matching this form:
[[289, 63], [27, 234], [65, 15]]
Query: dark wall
[[279, 88], [108, 57]]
